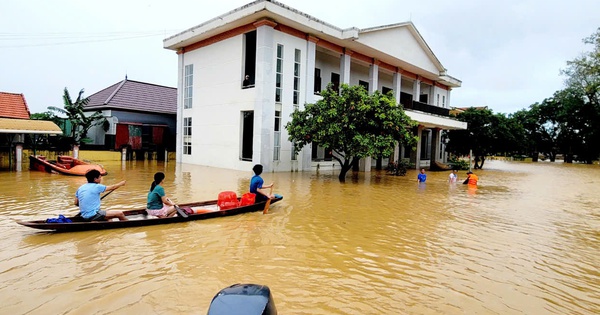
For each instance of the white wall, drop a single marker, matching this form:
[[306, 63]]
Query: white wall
[[328, 64], [358, 72], [404, 46], [385, 79], [217, 101], [290, 44]]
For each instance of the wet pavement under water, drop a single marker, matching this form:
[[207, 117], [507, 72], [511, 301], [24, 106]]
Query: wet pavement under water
[[525, 241]]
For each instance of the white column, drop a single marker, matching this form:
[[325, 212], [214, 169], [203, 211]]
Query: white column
[[264, 104], [345, 62], [416, 89], [179, 122], [374, 77], [397, 86], [304, 157], [365, 163], [448, 98], [124, 153], [418, 153], [18, 157], [435, 144], [76, 151]]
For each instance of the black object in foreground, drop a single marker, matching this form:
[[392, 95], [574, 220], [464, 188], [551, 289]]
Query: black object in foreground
[[243, 299]]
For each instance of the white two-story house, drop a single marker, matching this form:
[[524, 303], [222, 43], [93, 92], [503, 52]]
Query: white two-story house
[[242, 74]]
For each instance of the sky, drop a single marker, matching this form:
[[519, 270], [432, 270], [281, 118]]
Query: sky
[[508, 54]]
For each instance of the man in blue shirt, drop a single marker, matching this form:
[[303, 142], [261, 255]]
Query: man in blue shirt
[[88, 198], [422, 177], [256, 185]]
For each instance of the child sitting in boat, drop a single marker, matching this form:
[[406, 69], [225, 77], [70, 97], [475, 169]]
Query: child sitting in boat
[[256, 185], [158, 204]]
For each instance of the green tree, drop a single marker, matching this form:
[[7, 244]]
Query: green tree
[[80, 122], [583, 73], [353, 124], [478, 137], [525, 130], [582, 100]]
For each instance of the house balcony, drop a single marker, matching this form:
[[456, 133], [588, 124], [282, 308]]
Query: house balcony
[[430, 109]]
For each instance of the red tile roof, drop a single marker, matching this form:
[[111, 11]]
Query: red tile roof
[[135, 96], [13, 105]]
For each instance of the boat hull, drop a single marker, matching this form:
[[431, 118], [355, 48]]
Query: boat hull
[[139, 217], [65, 165]]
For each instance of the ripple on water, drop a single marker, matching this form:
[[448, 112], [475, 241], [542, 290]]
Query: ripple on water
[[521, 243]]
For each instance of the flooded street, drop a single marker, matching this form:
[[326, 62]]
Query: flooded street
[[526, 241]]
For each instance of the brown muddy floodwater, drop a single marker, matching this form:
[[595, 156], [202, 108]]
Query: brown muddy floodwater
[[526, 241]]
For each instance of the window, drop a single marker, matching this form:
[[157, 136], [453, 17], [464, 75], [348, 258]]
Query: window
[[335, 81], [406, 100], [444, 101], [188, 86], [247, 135], [297, 56], [279, 74], [423, 98], [437, 101], [277, 136], [317, 87], [385, 90], [187, 135], [249, 73], [364, 84]]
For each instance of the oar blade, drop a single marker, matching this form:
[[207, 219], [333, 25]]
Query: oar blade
[[266, 209]]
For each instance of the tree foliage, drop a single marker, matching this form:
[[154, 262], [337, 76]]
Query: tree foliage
[[353, 124], [568, 122], [80, 122], [478, 136]]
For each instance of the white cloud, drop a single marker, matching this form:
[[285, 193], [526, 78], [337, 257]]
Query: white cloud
[[507, 53]]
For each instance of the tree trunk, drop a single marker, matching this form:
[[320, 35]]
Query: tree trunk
[[342, 176], [346, 167], [568, 158]]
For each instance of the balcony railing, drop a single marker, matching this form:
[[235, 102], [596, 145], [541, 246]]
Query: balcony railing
[[410, 104]]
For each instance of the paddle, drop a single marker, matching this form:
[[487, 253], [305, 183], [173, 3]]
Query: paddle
[[180, 212], [266, 209], [108, 193]]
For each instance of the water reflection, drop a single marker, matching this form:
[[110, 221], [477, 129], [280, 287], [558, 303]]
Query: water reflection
[[523, 242]]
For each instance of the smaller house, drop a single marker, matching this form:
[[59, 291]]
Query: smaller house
[[141, 117], [14, 125]]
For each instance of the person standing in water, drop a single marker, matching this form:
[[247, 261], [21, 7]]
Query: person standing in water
[[471, 179], [453, 177], [422, 177]]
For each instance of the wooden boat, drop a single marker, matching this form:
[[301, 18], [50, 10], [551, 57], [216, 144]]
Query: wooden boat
[[198, 211], [66, 165]]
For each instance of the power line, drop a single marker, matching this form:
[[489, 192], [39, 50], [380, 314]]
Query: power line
[[8, 40]]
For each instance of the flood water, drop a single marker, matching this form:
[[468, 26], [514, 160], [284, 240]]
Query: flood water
[[526, 241]]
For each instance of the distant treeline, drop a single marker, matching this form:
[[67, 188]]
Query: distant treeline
[[567, 123]]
